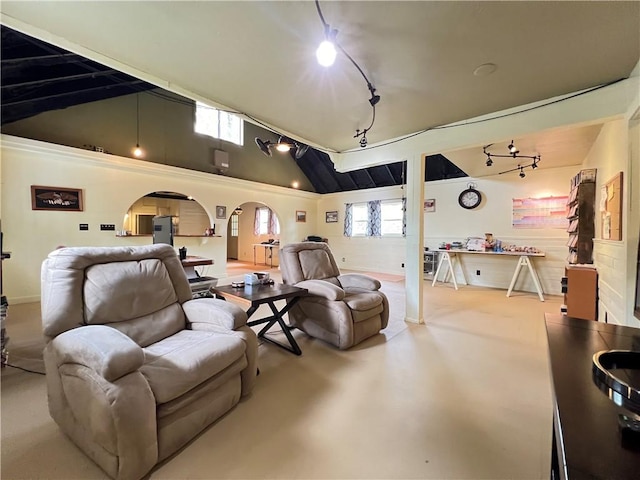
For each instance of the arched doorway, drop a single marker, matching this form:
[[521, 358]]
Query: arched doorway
[[251, 225], [190, 218]]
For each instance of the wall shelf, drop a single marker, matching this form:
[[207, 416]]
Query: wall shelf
[[581, 215]]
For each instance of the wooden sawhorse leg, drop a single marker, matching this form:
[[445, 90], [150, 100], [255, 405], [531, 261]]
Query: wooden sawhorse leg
[[525, 261]]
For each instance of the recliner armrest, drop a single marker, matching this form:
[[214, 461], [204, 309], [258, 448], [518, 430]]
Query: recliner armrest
[[323, 289], [212, 311], [358, 280], [107, 351]]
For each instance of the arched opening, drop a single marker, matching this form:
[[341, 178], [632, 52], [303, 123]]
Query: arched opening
[[253, 235], [189, 217]]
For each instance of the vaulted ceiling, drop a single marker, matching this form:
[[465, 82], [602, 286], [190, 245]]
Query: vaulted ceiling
[[37, 77], [427, 60]]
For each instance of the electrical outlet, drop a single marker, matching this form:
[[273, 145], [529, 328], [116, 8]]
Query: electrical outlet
[[402, 265], [477, 272], [107, 226], [343, 259], [84, 226]]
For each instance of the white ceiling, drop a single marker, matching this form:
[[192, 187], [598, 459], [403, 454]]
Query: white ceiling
[[259, 58], [557, 148]]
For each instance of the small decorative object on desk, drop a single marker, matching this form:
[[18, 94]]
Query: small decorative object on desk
[[257, 278], [475, 244], [489, 242]]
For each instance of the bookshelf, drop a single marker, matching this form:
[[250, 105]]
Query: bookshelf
[[581, 215]]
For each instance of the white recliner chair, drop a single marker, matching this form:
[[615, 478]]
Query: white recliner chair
[[135, 367], [340, 309]]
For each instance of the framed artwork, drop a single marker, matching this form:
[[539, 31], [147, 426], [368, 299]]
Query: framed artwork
[[301, 216], [56, 198], [221, 211], [331, 217], [430, 205]]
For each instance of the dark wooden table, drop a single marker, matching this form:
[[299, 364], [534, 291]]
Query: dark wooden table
[[256, 295], [587, 441], [191, 262]]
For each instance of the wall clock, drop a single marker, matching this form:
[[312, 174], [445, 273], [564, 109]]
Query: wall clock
[[469, 198]]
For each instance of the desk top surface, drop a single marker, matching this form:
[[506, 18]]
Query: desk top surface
[[194, 261], [586, 417], [266, 245], [513, 254], [257, 294]]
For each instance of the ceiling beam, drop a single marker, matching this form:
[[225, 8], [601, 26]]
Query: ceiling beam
[[60, 79], [42, 60], [74, 92]]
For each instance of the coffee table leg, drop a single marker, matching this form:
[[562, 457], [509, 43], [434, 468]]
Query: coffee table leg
[[277, 317]]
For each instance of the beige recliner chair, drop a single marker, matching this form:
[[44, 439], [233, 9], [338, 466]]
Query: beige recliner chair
[[340, 309], [136, 367]]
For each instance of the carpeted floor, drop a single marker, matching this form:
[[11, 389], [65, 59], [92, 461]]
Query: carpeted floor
[[465, 396]]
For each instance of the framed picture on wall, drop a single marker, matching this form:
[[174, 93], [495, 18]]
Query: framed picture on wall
[[221, 211], [331, 217], [301, 216], [430, 205], [56, 198]]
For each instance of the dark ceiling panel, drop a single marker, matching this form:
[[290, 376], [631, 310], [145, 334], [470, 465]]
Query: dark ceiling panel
[[320, 170], [37, 77]]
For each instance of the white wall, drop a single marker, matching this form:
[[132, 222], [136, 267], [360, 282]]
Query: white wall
[[111, 184], [450, 223], [610, 155], [366, 254]]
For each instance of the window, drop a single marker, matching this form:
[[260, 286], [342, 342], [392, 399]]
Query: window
[[376, 218], [391, 217], [219, 124], [263, 221], [234, 225], [360, 219], [266, 222]]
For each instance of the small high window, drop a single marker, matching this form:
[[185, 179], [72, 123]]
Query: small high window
[[219, 124]]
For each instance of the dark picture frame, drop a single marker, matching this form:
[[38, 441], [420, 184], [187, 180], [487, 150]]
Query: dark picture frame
[[221, 211], [301, 216], [331, 217], [56, 198]]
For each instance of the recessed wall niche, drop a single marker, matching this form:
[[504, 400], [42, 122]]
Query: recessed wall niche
[[189, 217]]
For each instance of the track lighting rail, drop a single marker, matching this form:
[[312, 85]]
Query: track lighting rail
[[330, 36], [513, 153]]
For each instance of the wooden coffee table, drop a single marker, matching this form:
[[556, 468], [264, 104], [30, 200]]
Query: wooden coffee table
[[256, 295]]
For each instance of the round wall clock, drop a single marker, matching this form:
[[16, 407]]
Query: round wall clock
[[469, 198]]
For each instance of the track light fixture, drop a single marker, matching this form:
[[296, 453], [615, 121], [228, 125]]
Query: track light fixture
[[282, 145], [513, 153], [326, 55]]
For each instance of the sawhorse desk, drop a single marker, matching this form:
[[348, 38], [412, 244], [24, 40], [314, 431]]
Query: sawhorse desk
[[449, 257], [266, 246]]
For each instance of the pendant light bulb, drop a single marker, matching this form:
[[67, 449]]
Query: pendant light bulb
[[137, 152], [283, 147], [326, 53]]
